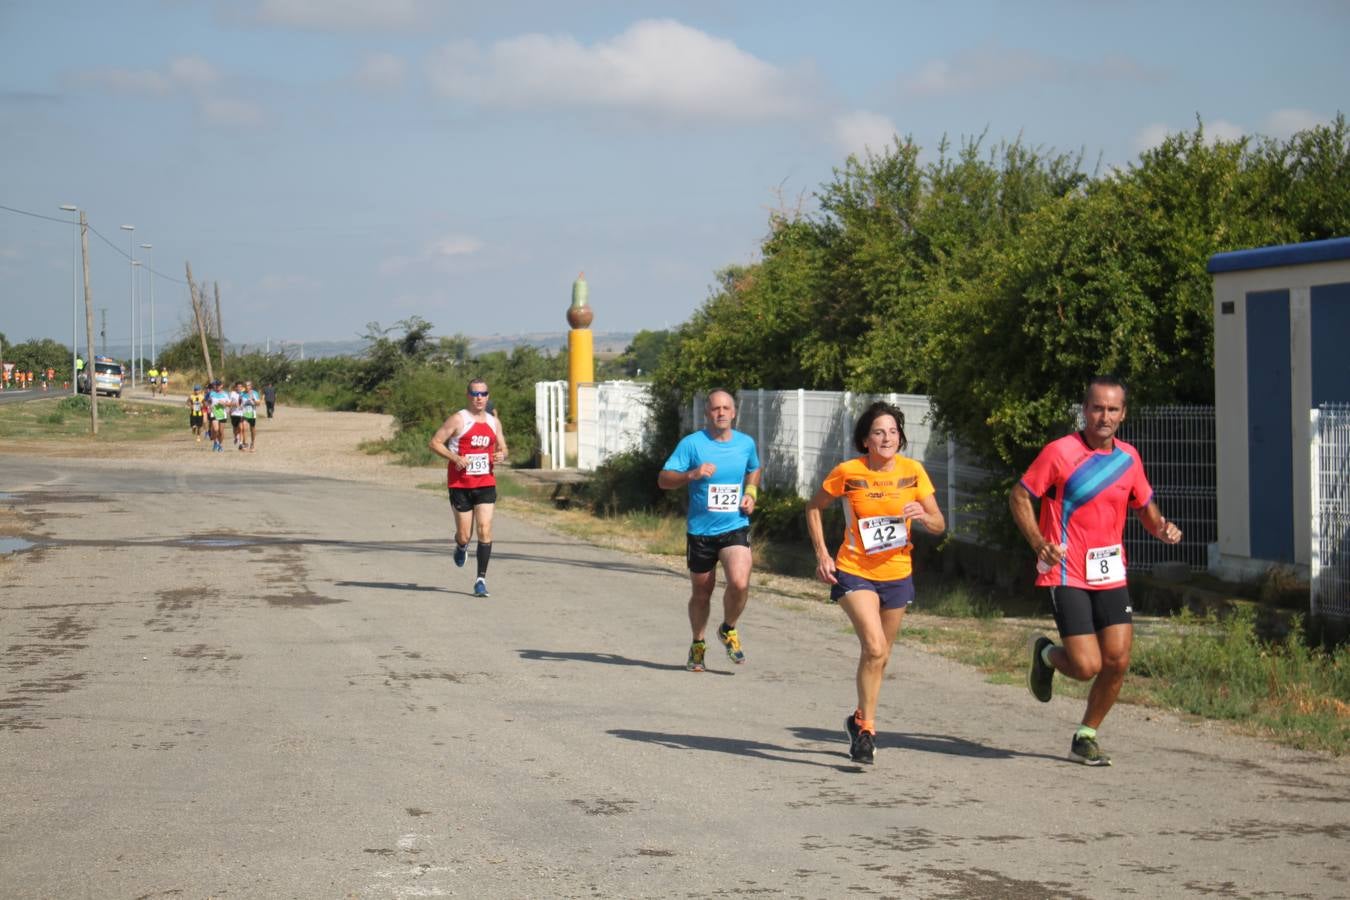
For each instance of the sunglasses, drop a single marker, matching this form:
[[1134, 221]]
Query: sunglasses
[[478, 393]]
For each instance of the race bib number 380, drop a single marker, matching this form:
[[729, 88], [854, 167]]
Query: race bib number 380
[[882, 533], [1105, 565], [724, 498]]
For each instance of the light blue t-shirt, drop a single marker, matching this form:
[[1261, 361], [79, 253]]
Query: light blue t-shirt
[[715, 503]]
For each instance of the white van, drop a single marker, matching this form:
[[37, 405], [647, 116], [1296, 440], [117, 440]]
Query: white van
[[107, 377]]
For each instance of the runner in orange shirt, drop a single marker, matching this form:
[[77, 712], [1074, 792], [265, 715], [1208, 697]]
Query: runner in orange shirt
[[885, 495]]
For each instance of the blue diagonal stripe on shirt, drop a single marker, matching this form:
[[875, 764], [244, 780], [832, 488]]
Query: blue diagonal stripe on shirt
[[1095, 476], [1087, 481]]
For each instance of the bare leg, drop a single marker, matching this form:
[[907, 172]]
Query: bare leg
[[736, 564], [876, 629]]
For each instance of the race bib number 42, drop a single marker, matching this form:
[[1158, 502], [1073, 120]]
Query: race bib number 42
[[724, 498], [1105, 565], [476, 464], [881, 533]]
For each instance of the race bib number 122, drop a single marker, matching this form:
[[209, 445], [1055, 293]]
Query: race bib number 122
[[724, 498]]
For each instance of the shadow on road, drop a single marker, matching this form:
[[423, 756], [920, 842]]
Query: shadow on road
[[734, 746], [395, 586], [924, 743], [608, 659]]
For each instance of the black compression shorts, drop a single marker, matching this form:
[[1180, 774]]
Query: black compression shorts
[[1079, 611]]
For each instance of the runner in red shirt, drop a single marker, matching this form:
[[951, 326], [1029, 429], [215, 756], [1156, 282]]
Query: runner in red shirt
[[472, 443], [1085, 483]]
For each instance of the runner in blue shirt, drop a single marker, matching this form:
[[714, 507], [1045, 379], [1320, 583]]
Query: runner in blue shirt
[[720, 468]]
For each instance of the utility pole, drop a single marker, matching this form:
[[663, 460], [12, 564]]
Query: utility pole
[[91, 367], [220, 328], [201, 325]]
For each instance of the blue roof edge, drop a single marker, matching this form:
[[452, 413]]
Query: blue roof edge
[[1282, 255]]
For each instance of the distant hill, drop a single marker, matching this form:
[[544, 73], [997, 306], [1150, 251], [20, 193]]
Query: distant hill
[[606, 342]]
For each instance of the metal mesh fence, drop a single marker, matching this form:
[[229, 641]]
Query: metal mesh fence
[[803, 434], [1176, 444], [1330, 483]]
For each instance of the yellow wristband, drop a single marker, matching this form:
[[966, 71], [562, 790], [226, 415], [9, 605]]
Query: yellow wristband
[[752, 491]]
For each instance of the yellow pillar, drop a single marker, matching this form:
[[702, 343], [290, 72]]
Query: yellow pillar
[[580, 346]]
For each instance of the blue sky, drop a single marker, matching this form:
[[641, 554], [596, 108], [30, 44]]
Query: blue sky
[[336, 162]]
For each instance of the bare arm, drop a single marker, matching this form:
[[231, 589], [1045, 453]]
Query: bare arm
[[502, 452], [1152, 519], [443, 434], [927, 514], [669, 479], [1024, 515], [814, 528]]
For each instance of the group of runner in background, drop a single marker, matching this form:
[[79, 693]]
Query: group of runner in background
[[210, 409], [22, 380]]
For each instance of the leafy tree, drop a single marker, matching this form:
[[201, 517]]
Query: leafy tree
[[37, 355], [643, 354]]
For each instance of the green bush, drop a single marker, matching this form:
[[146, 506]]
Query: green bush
[[627, 483], [1223, 669]]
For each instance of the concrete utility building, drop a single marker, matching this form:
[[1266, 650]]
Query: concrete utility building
[[1281, 348]]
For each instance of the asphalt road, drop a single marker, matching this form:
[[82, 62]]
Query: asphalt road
[[274, 686]]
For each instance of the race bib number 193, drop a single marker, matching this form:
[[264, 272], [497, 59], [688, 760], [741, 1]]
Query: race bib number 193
[[724, 498], [476, 464]]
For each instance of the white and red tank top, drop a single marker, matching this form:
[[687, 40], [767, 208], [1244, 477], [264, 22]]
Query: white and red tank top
[[475, 445]]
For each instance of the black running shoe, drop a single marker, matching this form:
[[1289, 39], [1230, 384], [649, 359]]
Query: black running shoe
[[864, 748], [861, 744], [1040, 677], [1085, 750]]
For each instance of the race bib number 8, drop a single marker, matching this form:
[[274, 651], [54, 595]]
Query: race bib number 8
[[724, 498], [476, 464], [882, 533], [1105, 565]]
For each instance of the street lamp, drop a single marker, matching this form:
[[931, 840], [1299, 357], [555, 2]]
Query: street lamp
[[74, 294], [150, 277], [131, 245]]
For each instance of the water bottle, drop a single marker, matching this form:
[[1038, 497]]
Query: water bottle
[[1042, 566]]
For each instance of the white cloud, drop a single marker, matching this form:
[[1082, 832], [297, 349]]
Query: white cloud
[[287, 284], [656, 66], [342, 15], [1150, 136], [991, 68], [440, 252], [193, 72], [126, 81], [223, 112], [1285, 123], [861, 131], [454, 245], [1154, 134], [382, 71]]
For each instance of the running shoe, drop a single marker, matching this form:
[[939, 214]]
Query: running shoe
[[1040, 677], [461, 554], [480, 587], [862, 745], [695, 661], [732, 641], [1085, 750]]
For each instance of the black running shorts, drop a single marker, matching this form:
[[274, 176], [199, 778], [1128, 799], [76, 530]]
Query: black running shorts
[[1079, 611], [701, 551], [465, 499]]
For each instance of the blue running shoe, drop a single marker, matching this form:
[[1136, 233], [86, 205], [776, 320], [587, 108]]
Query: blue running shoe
[[480, 588], [461, 554]]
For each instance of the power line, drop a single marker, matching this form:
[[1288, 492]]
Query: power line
[[116, 249]]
